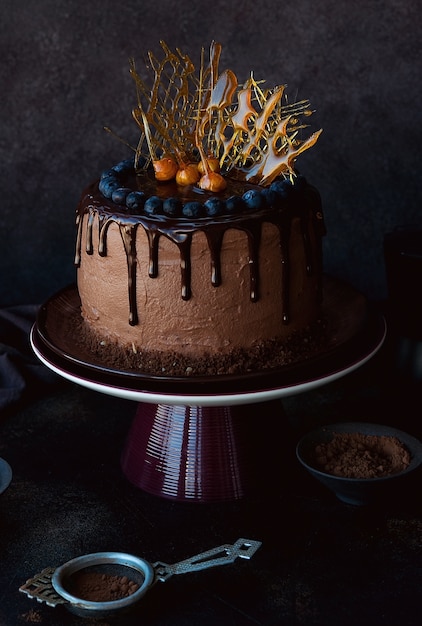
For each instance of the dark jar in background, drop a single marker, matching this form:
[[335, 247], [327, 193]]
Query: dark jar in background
[[403, 265]]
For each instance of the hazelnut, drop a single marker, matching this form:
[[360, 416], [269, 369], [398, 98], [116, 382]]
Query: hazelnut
[[188, 174], [213, 181], [212, 165], [165, 168]]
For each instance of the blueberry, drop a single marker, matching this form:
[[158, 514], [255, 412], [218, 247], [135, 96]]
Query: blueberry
[[153, 206], [107, 173], [235, 204], [194, 209], [120, 194], [282, 187], [214, 207], [172, 207], [123, 166], [270, 196], [108, 185], [253, 199], [135, 200]]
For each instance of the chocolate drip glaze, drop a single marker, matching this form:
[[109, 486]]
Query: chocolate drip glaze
[[153, 240], [180, 231], [284, 230], [215, 240], [128, 234], [254, 238], [184, 242]]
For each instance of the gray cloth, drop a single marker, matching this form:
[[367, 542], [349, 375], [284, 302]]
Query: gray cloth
[[22, 375]]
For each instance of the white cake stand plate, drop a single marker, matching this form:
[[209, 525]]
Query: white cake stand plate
[[211, 438]]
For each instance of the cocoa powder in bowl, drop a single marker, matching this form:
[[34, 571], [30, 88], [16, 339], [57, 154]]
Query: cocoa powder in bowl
[[358, 455], [98, 587]]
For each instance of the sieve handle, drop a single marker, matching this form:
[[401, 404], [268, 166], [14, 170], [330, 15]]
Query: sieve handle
[[222, 555]]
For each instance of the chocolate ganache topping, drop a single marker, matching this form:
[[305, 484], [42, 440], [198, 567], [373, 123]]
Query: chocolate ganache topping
[[132, 200]]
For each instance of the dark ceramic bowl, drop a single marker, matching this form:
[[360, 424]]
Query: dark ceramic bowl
[[5, 475], [358, 491]]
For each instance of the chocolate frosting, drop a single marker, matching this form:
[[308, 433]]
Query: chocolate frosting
[[302, 203]]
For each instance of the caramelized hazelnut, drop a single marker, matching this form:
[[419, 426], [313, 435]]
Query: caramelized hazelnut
[[212, 165], [188, 174], [213, 181], [165, 169]]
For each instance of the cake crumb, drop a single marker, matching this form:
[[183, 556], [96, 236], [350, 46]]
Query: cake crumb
[[261, 356], [32, 617]]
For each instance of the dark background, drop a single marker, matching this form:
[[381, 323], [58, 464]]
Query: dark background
[[64, 75]]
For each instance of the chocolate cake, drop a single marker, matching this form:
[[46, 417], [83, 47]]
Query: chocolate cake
[[202, 253]]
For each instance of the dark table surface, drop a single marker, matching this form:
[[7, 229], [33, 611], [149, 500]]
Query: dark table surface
[[321, 562]]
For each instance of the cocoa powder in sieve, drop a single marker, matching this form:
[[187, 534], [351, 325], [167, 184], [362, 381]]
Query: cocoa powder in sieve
[[355, 455], [97, 587]]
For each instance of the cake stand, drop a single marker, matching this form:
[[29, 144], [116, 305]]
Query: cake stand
[[216, 438]]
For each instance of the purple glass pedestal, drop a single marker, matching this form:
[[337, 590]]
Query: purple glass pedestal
[[201, 454]]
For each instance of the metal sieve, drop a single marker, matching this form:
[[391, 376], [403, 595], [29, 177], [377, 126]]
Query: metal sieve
[[52, 585]]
